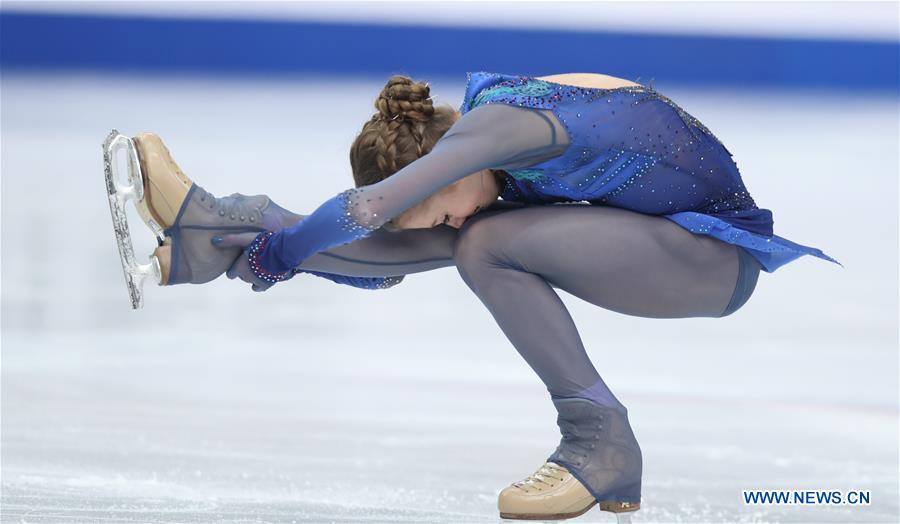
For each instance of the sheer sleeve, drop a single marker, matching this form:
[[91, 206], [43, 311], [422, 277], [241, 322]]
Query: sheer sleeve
[[494, 136], [385, 253], [382, 259]]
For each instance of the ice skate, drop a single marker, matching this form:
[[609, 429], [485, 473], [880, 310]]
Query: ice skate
[[182, 216], [598, 461], [551, 493]]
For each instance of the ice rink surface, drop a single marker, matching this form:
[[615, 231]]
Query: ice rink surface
[[320, 402]]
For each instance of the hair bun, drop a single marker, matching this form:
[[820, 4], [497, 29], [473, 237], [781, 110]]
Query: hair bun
[[404, 99]]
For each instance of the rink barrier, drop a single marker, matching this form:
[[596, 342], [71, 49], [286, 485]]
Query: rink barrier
[[82, 42]]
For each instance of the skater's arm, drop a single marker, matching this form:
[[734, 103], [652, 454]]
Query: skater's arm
[[385, 253], [382, 259], [494, 136]]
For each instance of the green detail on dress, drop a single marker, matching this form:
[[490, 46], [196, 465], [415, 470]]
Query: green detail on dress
[[526, 174], [533, 87]]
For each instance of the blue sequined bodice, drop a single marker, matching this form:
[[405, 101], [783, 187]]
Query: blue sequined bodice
[[634, 148]]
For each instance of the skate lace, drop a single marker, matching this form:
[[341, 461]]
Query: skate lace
[[232, 206], [549, 470]]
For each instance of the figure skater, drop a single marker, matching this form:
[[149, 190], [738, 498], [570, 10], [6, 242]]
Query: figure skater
[[609, 191]]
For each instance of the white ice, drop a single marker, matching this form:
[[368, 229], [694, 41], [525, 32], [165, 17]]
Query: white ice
[[321, 402]]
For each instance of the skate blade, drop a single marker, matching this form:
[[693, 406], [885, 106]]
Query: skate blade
[[119, 193]]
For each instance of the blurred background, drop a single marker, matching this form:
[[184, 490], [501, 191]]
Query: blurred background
[[321, 402]]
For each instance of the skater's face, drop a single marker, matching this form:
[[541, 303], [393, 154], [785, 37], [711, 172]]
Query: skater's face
[[451, 205]]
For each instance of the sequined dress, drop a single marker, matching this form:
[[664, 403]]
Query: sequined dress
[[629, 147]]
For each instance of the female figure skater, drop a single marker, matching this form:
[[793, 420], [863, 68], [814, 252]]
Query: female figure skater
[[661, 226]]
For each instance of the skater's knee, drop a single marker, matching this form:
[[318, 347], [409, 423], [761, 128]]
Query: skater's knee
[[473, 241], [475, 251]]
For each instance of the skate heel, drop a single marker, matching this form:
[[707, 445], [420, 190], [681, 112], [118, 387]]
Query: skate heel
[[616, 506], [623, 511], [623, 502], [163, 256]]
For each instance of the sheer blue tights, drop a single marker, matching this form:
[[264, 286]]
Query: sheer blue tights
[[620, 260]]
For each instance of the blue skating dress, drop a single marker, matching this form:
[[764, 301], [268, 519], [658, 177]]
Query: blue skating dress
[[636, 149], [628, 147]]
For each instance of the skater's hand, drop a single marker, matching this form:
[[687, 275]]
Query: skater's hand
[[240, 268]]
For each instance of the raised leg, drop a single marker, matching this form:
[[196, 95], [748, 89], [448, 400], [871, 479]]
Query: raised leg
[[184, 218]]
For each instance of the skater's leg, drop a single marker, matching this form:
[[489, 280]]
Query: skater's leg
[[620, 260], [188, 217], [185, 218], [382, 254]]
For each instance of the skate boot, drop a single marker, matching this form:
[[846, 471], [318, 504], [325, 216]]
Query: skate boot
[[598, 461], [551, 493], [182, 215]]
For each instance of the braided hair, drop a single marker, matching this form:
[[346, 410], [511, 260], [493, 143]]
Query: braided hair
[[405, 128]]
